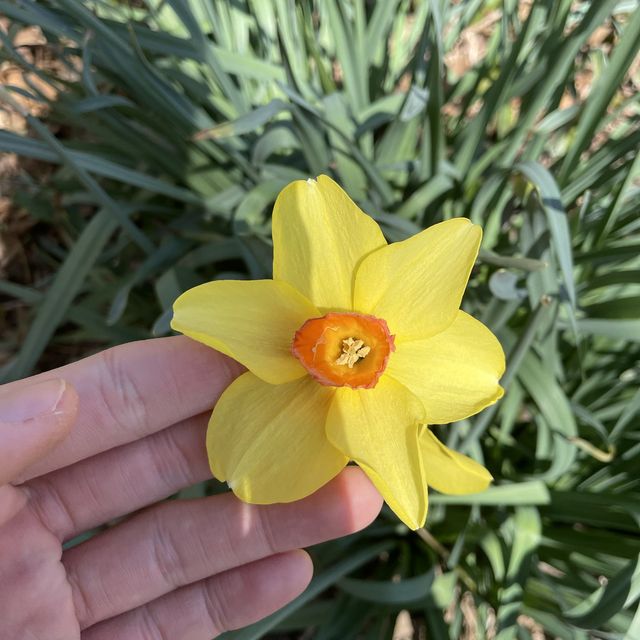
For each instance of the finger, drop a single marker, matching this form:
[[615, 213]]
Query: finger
[[180, 542], [206, 609], [35, 598], [134, 390], [11, 501], [122, 480], [33, 418]]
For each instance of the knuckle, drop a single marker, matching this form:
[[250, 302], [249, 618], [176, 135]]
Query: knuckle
[[216, 605], [266, 530], [81, 600], [150, 627], [124, 404], [165, 555], [169, 459], [48, 505]]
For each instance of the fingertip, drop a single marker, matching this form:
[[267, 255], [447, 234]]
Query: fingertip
[[56, 421], [270, 583], [301, 568], [363, 499], [34, 417], [66, 409], [288, 574]]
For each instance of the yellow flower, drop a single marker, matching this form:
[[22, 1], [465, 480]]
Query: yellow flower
[[351, 350]]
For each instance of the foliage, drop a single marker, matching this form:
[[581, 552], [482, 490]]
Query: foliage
[[179, 121]]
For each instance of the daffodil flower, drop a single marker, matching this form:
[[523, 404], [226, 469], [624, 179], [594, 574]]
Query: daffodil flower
[[352, 349]]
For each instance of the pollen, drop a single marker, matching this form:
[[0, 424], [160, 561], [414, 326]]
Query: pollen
[[352, 351]]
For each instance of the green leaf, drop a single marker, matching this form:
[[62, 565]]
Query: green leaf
[[620, 591], [633, 632], [525, 533], [419, 201], [68, 282], [247, 122], [95, 103], [510, 262], [601, 94], [349, 46], [615, 329], [91, 163], [533, 492], [551, 202], [619, 308], [554, 405], [26, 294], [398, 593]]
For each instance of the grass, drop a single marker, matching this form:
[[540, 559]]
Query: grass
[[174, 124]]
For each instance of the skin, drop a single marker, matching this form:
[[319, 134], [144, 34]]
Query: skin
[[125, 430]]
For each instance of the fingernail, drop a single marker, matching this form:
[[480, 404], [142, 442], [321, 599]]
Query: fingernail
[[29, 401]]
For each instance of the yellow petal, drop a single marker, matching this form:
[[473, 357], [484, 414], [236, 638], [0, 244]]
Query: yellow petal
[[268, 441], [455, 373], [253, 322], [449, 471], [416, 285], [319, 237], [378, 428]]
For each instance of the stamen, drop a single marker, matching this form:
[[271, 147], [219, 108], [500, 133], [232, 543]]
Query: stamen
[[352, 350]]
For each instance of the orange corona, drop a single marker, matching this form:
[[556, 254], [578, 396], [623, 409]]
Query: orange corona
[[344, 349]]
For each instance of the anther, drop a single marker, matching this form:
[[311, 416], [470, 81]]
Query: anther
[[352, 351]]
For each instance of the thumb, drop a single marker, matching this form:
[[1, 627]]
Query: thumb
[[34, 417]]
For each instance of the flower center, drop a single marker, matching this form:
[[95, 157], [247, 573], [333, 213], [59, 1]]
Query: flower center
[[344, 349], [352, 351]]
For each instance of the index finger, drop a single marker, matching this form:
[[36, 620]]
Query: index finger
[[133, 390]]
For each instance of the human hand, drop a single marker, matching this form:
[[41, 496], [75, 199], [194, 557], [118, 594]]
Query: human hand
[[106, 436]]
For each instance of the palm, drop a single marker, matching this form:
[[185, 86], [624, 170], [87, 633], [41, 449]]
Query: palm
[[31, 564], [172, 570]]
